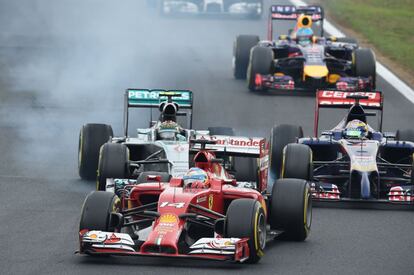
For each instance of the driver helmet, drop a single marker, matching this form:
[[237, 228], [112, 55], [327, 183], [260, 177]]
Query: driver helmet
[[196, 177], [356, 129], [304, 36], [168, 130]]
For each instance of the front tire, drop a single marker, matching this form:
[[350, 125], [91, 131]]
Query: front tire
[[280, 136], [297, 162], [91, 138], [241, 54], [291, 208], [97, 209], [113, 162], [261, 59], [246, 219]]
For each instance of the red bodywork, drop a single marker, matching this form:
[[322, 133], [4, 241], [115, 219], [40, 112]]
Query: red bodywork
[[174, 203]]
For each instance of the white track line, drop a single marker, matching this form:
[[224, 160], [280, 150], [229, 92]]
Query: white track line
[[386, 74]]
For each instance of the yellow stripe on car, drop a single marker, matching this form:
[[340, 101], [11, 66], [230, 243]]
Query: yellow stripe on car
[[315, 71]]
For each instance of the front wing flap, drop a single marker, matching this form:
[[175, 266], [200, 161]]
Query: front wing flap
[[222, 249]]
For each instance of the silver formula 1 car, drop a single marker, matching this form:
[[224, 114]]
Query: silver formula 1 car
[[351, 164], [163, 147], [240, 8]]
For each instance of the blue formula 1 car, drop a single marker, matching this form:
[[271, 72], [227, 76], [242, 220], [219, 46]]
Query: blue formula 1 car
[[304, 59], [352, 163]]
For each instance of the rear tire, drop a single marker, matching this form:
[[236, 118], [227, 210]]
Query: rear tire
[[245, 218], [281, 136], [365, 64], [221, 131], [261, 60], [91, 138], [113, 162], [405, 135], [97, 209], [241, 54], [297, 162], [291, 208], [246, 168]]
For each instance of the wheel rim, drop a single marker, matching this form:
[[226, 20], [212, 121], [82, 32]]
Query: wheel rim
[[261, 231], [80, 148], [308, 211]]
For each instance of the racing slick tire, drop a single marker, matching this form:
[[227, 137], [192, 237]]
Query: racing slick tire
[[113, 161], [405, 135], [221, 131], [365, 64], [349, 40], [297, 162], [96, 211], [246, 218], [246, 168], [280, 136], [399, 155], [241, 54], [260, 62], [291, 208], [91, 138]]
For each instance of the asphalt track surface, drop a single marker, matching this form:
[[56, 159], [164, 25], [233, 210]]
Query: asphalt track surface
[[66, 63]]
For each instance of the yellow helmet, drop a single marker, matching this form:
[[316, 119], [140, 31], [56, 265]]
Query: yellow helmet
[[356, 129]]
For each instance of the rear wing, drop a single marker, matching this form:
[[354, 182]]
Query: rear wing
[[290, 12], [237, 146], [332, 99], [146, 98], [232, 145]]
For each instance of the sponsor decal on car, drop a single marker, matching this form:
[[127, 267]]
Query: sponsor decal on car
[[201, 199], [242, 142], [210, 201], [172, 204], [169, 219], [340, 98]]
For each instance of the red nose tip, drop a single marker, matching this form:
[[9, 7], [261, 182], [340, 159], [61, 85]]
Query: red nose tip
[[258, 80]]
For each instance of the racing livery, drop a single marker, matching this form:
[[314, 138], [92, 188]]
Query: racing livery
[[353, 163], [205, 214], [101, 155], [302, 60], [240, 8]]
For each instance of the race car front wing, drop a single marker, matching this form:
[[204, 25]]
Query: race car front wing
[[285, 82], [398, 197], [222, 249]]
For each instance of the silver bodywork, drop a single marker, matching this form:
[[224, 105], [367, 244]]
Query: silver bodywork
[[211, 6]]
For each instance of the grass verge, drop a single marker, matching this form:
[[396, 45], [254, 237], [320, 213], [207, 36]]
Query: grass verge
[[386, 24]]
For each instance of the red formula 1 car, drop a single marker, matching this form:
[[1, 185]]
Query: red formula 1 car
[[206, 214]]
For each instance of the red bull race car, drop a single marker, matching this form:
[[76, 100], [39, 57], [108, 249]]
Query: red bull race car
[[352, 164], [301, 60], [206, 214]]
